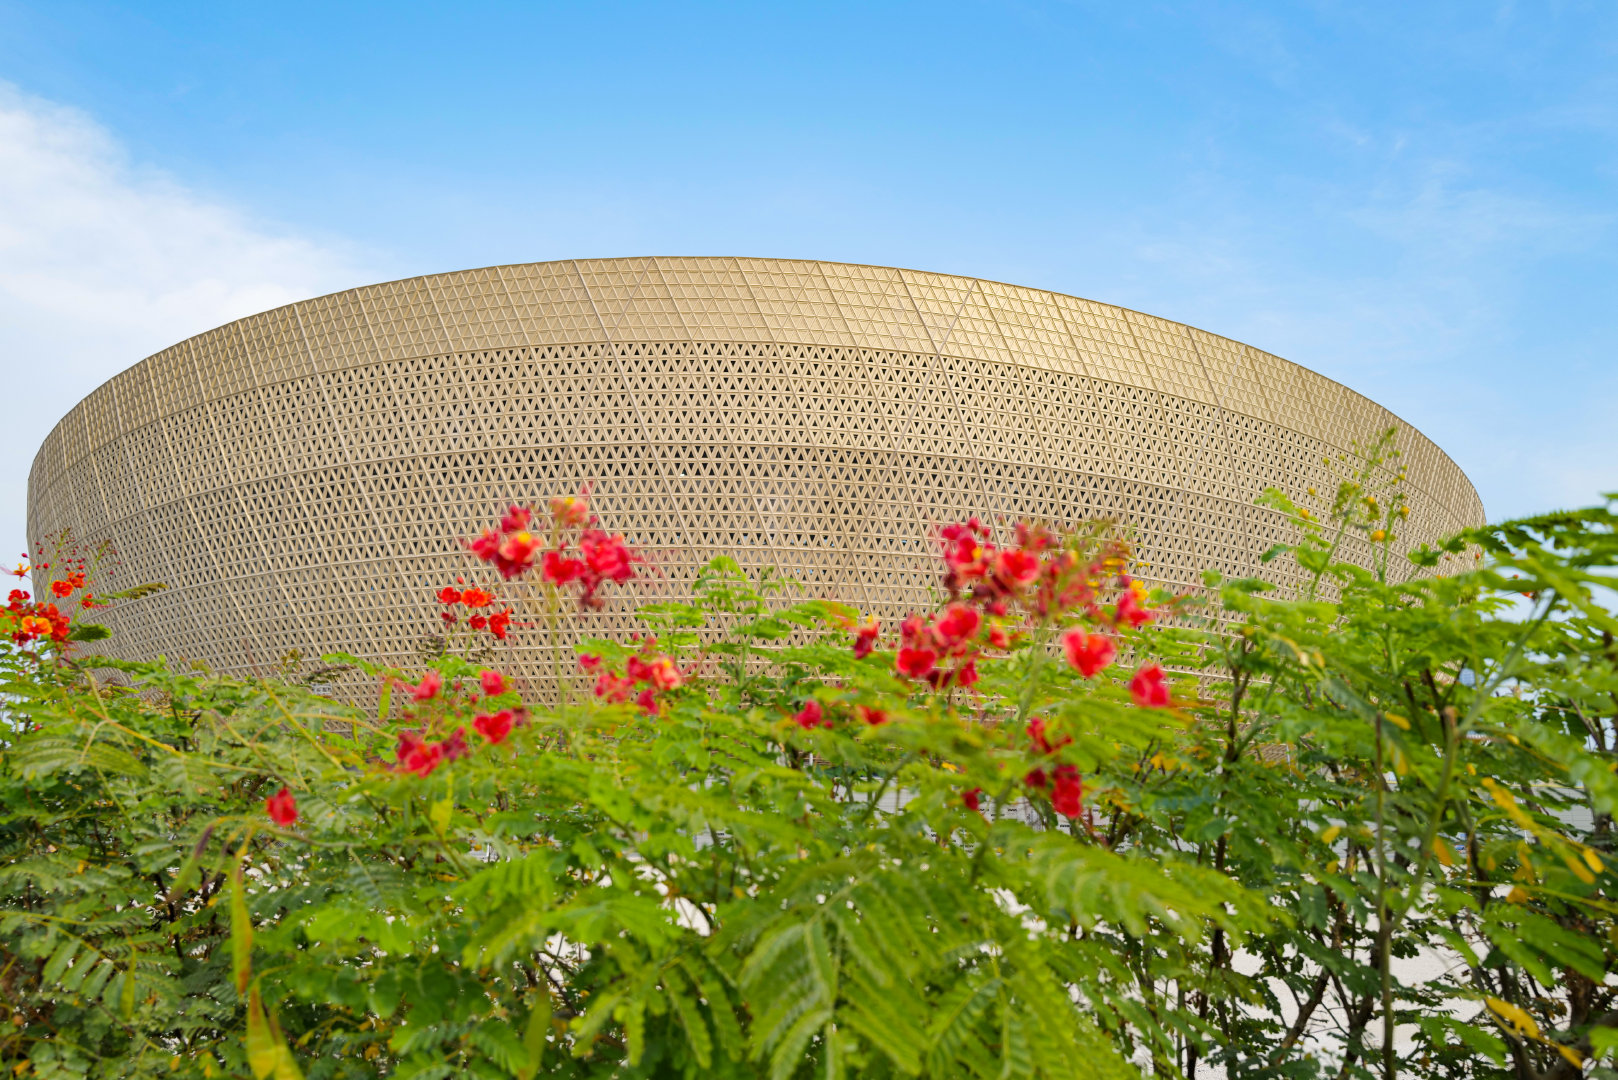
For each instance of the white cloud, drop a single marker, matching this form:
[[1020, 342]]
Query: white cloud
[[104, 261]]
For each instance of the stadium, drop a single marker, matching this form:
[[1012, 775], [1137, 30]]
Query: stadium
[[302, 479]]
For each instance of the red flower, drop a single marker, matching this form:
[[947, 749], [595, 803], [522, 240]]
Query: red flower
[[963, 554], [916, 663], [1033, 537], [613, 689], [874, 717], [1150, 687], [428, 688], [967, 674], [999, 637], [498, 623], [865, 638], [570, 511], [516, 519], [478, 622], [972, 798], [493, 682], [516, 553], [449, 595], [1036, 779], [589, 662], [647, 700], [1036, 735], [1132, 605], [447, 617], [1067, 795], [559, 569], [494, 727], [956, 627], [60, 589], [1016, 569], [477, 598], [20, 572], [282, 808], [811, 717], [665, 675], [1088, 653], [415, 754], [606, 558], [455, 746]]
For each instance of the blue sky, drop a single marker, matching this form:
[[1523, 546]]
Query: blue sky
[[1419, 200]]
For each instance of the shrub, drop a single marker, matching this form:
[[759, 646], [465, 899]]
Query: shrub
[[1034, 831]]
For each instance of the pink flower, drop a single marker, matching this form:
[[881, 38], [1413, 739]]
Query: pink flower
[[493, 683], [1067, 795], [428, 688], [1088, 653], [282, 808], [494, 726], [1150, 687]]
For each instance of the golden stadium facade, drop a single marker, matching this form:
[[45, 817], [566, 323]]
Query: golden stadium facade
[[301, 479]]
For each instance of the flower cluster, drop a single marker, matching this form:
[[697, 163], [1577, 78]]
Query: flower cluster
[[417, 753], [1065, 783], [476, 601], [649, 669], [32, 621], [601, 557], [814, 715]]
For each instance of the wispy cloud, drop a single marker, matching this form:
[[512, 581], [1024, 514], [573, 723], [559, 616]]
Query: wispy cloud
[[104, 261]]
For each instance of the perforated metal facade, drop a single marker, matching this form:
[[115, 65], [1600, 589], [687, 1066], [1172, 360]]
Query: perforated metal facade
[[300, 479]]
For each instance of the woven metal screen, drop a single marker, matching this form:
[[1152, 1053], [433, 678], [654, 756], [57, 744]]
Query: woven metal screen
[[301, 479]]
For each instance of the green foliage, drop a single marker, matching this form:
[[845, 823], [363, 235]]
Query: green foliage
[[1364, 770]]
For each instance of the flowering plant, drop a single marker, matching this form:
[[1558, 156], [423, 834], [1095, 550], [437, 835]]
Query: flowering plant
[[1053, 821]]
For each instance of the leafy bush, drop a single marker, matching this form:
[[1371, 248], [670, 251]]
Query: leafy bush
[[770, 840]]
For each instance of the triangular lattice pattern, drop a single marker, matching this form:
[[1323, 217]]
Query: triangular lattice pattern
[[300, 479]]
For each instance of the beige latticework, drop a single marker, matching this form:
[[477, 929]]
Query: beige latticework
[[301, 479]]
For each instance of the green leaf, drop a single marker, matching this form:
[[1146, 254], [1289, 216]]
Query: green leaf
[[534, 1034], [241, 931], [88, 632]]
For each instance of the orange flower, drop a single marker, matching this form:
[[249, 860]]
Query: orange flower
[[477, 598]]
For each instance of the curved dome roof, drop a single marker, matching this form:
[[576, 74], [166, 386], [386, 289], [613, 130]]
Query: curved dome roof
[[300, 478]]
